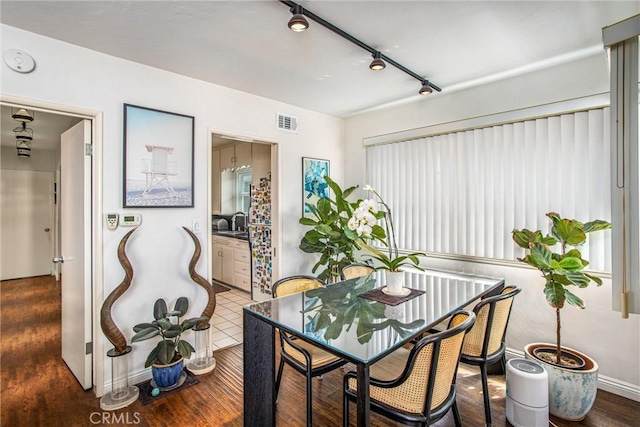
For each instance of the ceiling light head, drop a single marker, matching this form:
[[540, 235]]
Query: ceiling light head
[[23, 148], [426, 88], [22, 115], [298, 22], [377, 64]]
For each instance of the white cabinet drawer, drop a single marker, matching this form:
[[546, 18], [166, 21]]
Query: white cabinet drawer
[[242, 255], [243, 282], [242, 268], [240, 244]]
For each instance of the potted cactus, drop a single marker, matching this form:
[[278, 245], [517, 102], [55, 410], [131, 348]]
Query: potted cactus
[[572, 375]]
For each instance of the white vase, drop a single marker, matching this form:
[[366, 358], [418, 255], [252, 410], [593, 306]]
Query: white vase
[[572, 392], [394, 281]]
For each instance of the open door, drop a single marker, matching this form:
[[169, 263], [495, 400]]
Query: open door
[[75, 240]]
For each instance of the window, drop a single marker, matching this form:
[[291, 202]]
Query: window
[[462, 192]]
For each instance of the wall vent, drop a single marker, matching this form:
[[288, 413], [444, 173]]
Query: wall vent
[[287, 123]]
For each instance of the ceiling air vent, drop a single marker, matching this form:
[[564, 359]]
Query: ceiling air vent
[[287, 123]]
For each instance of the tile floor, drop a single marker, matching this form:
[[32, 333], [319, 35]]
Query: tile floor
[[227, 318]]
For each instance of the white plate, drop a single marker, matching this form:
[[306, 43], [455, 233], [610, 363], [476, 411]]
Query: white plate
[[404, 293]]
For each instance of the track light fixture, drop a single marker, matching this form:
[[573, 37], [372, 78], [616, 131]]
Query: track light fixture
[[299, 23], [426, 88], [377, 64]]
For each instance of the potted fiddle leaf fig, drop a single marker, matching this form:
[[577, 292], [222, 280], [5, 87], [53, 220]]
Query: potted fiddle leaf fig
[[167, 357], [572, 375]]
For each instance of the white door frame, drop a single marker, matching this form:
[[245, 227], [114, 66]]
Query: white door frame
[[96, 118], [276, 224]]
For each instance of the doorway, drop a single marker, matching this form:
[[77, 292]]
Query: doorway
[[256, 160], [45, 155]]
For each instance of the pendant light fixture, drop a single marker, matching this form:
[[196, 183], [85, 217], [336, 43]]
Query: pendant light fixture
[[22, 115], [377, 64], [299, 23], [24, 135]]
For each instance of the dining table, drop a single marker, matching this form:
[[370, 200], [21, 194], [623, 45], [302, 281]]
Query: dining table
[[358, 320]]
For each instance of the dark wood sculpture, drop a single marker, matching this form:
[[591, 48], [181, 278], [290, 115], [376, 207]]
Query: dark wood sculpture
[[109, 328], [211, 303]]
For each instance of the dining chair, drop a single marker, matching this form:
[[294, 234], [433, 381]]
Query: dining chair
[[417, 385], [484, 344], [305, 358], [351, 271]]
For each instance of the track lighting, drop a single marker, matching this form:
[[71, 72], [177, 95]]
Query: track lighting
[[377, 64], [426, 88], [298, 22]]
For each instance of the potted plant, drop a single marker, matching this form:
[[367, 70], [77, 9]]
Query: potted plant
[[330, 235], [391, 261], [572, 375], [167, 357]]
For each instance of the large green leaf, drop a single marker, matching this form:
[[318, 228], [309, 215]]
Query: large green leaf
[[571, 263], [307, 221], [141, 326], [164, 324], [181, 306], [555, 294], [145, 334], [185, 349], [573, 300], [596, 225], [577, 278], [540, 256], [173, 331], [166, 351], [152, 357], [594, 278], [567, 232], [159, 309]]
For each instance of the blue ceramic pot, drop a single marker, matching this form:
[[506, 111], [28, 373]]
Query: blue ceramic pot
[[167, 375]]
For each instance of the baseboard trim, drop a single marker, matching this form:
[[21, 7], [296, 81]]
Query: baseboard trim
[[611, 385]]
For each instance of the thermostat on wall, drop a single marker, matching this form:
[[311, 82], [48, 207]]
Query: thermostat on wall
[[130, 220]]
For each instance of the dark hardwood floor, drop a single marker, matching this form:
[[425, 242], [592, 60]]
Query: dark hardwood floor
[[38, 390]]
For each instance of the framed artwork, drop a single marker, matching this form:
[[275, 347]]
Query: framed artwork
[[158, 159], [314, 187]]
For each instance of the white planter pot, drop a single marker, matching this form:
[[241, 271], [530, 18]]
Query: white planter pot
[[572, 392], [394, 281]]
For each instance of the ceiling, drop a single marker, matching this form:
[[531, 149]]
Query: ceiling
[[246, 45]]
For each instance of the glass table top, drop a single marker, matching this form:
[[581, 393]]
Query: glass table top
[[363, 330]]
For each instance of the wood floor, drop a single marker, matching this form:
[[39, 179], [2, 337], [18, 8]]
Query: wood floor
[[38, 390]]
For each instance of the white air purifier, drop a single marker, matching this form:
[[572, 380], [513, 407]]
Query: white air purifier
[[527, 403]]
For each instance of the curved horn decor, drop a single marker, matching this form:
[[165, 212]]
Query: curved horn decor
[[109, 328], [211, 303]]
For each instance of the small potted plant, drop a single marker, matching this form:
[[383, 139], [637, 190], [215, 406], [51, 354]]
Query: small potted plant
[[572, 375], [167, 357]]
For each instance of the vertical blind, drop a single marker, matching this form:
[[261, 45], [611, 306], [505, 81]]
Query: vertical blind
[[463, 192]]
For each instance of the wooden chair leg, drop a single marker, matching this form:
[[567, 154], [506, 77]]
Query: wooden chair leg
[[485, 394]]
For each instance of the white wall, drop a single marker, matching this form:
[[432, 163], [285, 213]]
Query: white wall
[[597, 331], [160, 250]]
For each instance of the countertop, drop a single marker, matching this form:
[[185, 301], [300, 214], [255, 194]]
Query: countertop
[[241, 235]]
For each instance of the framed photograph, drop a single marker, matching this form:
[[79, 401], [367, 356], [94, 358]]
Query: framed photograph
[[314, 187], [158, 159]]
